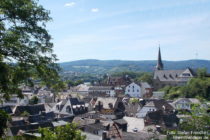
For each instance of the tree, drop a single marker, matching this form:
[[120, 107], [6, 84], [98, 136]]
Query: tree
[[202, 72], [3, 122], [33, 100], [146, 77], [67, 132], [25, 46]]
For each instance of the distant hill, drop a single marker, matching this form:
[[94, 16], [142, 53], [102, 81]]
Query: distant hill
[[92, 66]]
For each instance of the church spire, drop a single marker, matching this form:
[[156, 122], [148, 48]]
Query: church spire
[[159, 65]]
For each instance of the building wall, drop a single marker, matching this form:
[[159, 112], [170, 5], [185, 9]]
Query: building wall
[[133, 90]]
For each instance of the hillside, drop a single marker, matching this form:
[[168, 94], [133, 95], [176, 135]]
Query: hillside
[[92, 66]]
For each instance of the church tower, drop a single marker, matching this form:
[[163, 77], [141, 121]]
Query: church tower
[[159, 65]]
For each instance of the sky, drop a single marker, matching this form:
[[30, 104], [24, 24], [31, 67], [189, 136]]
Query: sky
[[129, 29]]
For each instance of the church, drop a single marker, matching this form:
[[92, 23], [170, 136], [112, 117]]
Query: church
[[164, 78]]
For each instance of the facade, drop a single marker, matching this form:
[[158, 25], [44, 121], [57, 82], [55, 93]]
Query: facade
[[185, 103], [69, 107], [141, 90], [133, 90], [164, 78]]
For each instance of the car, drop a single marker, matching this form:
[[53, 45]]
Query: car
[[135, 129]]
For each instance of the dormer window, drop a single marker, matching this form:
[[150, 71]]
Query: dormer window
[[68, 109]]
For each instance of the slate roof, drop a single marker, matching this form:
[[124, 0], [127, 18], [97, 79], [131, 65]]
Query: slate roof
[[18, 123], [42, 117], [167, 75], [30, 127], [7, 109], [75, 101], [93, 88], [31, 109]]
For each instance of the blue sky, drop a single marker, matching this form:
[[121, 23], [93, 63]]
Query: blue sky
[[129, 29]]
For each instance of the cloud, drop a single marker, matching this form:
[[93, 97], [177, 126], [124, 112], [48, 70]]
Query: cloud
[[95, 10], [70, 4]]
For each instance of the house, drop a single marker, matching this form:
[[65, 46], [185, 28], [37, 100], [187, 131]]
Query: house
[[146, 89], [69, 107], [81, 89], [185, 103], [45, 96], [107, 129], [155, 105], [104, 90], [164, 78], [131, 109], [140, 90], [110, 106], [133, 90]]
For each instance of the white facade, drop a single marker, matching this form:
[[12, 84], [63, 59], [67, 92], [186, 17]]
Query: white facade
[[185, 103], [133, 90]]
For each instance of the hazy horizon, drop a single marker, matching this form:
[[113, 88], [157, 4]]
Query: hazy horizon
[[132, 60]]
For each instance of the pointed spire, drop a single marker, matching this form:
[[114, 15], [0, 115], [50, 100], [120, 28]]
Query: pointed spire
[[159, 65]]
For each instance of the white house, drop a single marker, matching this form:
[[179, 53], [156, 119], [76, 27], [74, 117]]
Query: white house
[[185, 103], [133, 90]]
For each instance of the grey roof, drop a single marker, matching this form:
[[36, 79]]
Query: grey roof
[[191, 100], [167, 75], [145, 85], [100, 88], [7, 109], [173, 75], [120, 121], [30, 127], [31, 109]]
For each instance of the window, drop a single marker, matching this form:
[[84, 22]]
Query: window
[[57, 107], [186, 74], [68, 109], [133, 86], [128, 90], [137, 90]]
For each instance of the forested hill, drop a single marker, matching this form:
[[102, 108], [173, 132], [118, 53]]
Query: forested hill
[[93, 66]]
